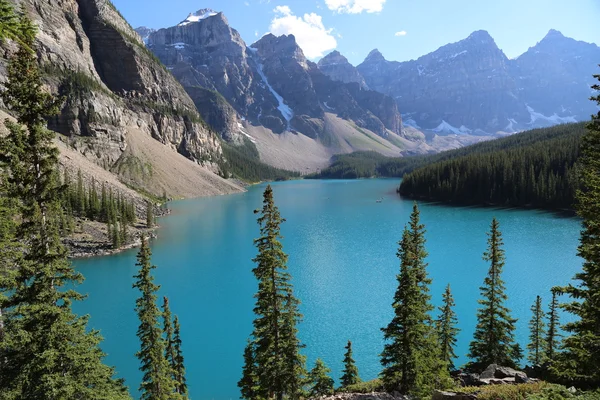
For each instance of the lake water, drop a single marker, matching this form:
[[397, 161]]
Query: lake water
[[341, 245]]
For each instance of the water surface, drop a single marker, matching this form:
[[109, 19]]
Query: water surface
[[342, 247]]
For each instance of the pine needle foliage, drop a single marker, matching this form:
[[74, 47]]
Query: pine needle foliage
[[350, 373], [493, 340], [321, 382], [446, 328], [537, 334], [274, 367]]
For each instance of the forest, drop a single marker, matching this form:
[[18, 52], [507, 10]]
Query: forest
[[537, 169]]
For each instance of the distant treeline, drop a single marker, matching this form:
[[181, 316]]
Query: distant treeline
[[243, 162], [536, 168]]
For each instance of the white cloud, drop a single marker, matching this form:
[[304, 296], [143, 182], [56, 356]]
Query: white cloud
[[310, 33], [256, 33], [247, 4], [355, 6], [401, 33]]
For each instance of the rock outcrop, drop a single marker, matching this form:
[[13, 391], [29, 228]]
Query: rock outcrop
[[113, 84], [338, 68], [471, 87], [270, 83]]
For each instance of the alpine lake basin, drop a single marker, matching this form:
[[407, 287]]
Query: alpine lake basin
[[341, 237]]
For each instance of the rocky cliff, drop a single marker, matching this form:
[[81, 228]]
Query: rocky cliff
[[471, 87], [269, 84], [113, 86], [338, 68]]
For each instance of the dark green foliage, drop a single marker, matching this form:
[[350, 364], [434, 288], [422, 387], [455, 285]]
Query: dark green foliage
[[532, 169], [580, 360], [375, 385], [157, 382], [350, 373], [411, 356], [149, 214], [537, 333], [368, 164], [446, 328], [178, 364], [244, 163], [493, 341], [274, 366], [321, 384], [46, 351], [552, 336]]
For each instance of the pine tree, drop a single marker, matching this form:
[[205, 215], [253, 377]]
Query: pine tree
[[537, 331], [446, 328], [552, 336], [179, 367], [411, 354], [580, 360], [149, 214], [321, 382], [157, 382], [168, 331], [277, 362], [350, 374], [249, 385], [493, 341], [46, 351]]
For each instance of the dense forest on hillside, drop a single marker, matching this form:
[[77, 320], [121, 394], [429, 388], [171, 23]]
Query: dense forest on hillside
[[368, 164], [243, 162], [534, 169]]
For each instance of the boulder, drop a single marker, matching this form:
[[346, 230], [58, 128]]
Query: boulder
[[467, 379], [441, 395]]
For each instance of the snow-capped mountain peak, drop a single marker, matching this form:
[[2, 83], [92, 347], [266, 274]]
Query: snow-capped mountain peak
[[198, 16]]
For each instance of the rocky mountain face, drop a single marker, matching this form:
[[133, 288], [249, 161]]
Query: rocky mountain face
[[113, 85], [338, 68], [269, 84], [472, 87]]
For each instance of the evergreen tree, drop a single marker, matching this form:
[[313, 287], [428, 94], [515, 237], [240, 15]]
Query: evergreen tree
[[149, 214], [537, 331], [350, 373], [179, 367], [169, 333], [46, 351], [552, 336], [321, 382], [276, 358], [157, 382], [249, 385], [580, 360], [411, 355], [446, 328], [116, 234], [493, 341]]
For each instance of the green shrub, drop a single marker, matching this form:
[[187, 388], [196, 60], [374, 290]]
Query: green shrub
[[376, 385]]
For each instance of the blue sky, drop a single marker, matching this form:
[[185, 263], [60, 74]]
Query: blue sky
[[400, 29]]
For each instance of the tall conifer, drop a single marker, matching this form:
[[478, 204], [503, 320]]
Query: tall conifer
[[580, 360], [446, 328], [46, 351], [537, 333], [275, 349], [552, 337], [493, 341], [350, 374], [320, 381], [157, 382], [411, 354], [179, 367]]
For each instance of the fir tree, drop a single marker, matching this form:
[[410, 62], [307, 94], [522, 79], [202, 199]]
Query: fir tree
[[446, 328], [350, 374], [179, 367], [157, 382], [46, 351], [276, 357], [321, 382], [493, 341], [248, 385], [537, 331], [580, 360], [149, 214], [552, 336], [168, 331], [411, 354]]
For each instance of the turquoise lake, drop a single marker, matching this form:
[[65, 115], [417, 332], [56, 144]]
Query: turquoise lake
[[342, 256]]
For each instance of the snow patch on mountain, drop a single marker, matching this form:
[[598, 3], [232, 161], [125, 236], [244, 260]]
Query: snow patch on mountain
[[554, 119], [283, 108], [445, 127], [511, 126], [197, 16]]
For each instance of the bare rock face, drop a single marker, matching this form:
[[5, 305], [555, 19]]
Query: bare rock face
[[270, 83], [472, 87], [111, 82], [337, 67]]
